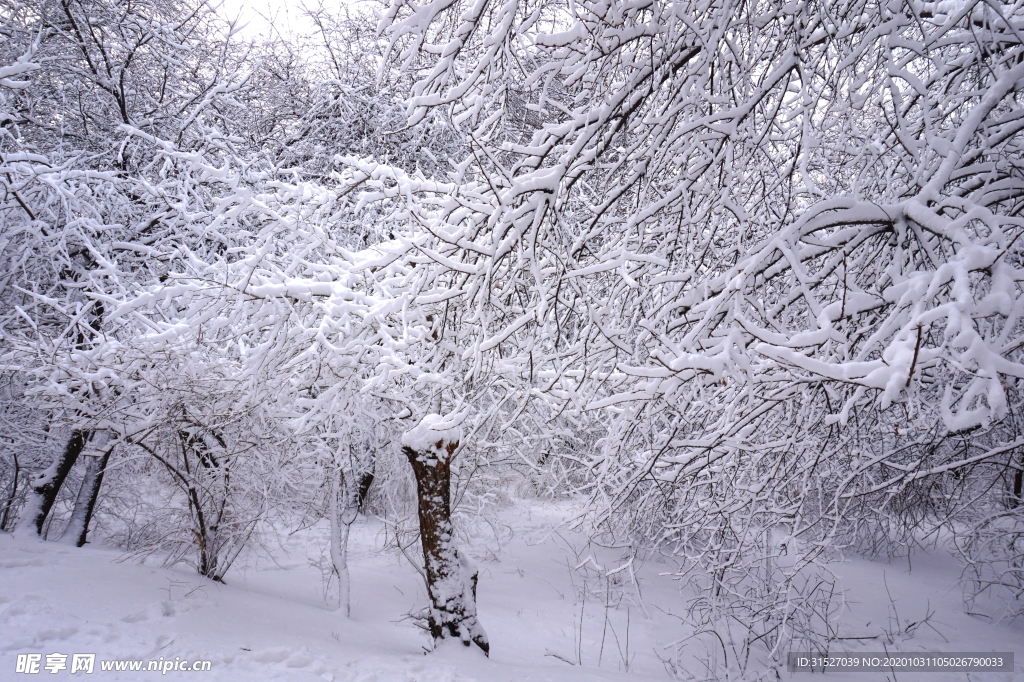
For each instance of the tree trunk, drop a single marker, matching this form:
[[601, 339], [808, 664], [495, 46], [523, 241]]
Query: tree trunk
[[340, 526], [85, 503], [5, 516], [47, 484], [451, 578], [1018, 489], [346, 498]]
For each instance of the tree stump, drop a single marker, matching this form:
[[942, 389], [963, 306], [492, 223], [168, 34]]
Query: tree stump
[[451, 578]]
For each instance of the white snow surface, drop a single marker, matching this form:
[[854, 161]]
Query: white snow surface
[[434, 429], [549, 612]]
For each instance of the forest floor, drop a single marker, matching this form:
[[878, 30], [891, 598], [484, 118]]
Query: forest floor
[[546, 618]]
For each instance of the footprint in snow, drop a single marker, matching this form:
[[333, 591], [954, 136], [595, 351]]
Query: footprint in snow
[[19, 562], [274, 655], [300, 659], [56, 634]]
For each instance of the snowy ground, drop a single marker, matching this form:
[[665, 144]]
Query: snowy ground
[[270, 622]]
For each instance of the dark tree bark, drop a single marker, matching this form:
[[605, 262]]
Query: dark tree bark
[[365, 481], [5, 516], [1018, 489], [451, 579], [204, 484], [47, 484], [85, 503]]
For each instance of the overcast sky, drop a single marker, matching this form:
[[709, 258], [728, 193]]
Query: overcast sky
[[257, 15]]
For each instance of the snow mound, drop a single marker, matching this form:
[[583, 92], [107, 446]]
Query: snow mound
[[434, 433]]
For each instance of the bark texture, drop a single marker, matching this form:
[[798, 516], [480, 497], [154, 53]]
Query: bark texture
[[451, 578], [5, 515], [47, 484], [85, 504]]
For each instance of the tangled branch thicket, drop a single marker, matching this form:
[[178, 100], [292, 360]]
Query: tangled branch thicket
[[744, 276]]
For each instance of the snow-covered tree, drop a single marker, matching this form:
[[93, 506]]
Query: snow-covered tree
[[778, 245], [104, 92], [746, 275]]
